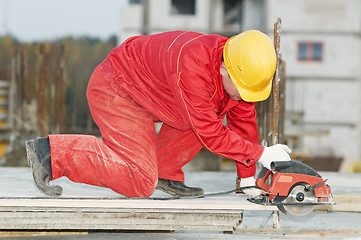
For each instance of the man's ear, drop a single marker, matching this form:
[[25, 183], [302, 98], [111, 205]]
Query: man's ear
[[223, 69]]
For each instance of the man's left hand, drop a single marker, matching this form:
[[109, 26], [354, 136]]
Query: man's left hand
[[251, 192]]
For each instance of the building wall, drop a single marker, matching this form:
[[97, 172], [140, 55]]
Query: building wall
[[326, 92], [161, 19], [165, 20], [208, 18], [131, 18]]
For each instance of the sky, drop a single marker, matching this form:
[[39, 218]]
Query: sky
[[37, 20]]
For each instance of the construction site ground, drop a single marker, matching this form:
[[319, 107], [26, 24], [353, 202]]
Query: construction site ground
[[341, 221]]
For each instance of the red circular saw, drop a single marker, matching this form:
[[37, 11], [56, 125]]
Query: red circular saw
[[293, 187]]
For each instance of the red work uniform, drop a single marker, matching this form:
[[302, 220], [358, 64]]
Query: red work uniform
[[173, 78]]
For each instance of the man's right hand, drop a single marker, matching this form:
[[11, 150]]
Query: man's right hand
[[278, 152]]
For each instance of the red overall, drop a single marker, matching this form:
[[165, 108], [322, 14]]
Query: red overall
[[172, 78]]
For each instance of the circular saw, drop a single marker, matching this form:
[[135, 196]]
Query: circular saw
[[293, 187]]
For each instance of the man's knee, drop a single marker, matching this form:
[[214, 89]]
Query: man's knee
[[146, 185]]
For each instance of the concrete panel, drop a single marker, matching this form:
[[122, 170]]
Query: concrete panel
[[316, 16], [341, 58], [341, 142], [132, 16], [324, 101]]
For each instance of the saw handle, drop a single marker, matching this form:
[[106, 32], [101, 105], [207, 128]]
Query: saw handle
[[261, 179]]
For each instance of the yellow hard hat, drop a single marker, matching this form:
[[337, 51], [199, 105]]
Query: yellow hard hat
[[250, 60]]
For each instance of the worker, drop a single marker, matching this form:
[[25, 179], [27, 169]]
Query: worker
[[188, 81]]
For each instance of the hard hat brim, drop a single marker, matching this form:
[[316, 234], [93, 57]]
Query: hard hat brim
[[253, 96]]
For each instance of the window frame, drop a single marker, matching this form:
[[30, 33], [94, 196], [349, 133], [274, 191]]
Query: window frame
[[192, 13], [310, 51]]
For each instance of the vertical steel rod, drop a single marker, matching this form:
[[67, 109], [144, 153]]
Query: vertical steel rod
[[276, 104], [276, 85]]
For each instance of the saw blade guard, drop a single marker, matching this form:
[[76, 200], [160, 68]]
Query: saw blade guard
[[262, 180], [293, 167]]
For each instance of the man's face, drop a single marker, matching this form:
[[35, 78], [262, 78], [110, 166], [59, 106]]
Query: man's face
[[228, 85]]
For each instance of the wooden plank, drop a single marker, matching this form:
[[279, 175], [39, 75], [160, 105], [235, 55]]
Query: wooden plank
[[132, 220], [186, 204], [344, 203], [214, 214]]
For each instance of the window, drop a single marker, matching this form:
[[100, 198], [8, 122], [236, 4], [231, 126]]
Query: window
[[233, 11], [310, 51], [185, 7], [134, 1]]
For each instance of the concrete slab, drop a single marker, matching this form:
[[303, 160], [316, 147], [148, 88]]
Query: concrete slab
[[17, 182]]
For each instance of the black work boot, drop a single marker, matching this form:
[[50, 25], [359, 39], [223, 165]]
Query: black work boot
[[38, 155], [178, 188]]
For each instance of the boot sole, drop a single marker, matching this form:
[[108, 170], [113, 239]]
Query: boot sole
[[177, 193], [36, 170]]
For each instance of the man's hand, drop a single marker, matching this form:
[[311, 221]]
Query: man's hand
[[278, 152], [251, 192]]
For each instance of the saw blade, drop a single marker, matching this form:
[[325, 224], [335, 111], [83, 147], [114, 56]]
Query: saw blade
[[302, 200]]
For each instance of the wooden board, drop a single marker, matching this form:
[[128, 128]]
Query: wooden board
[[214, 214], [344, 203]]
